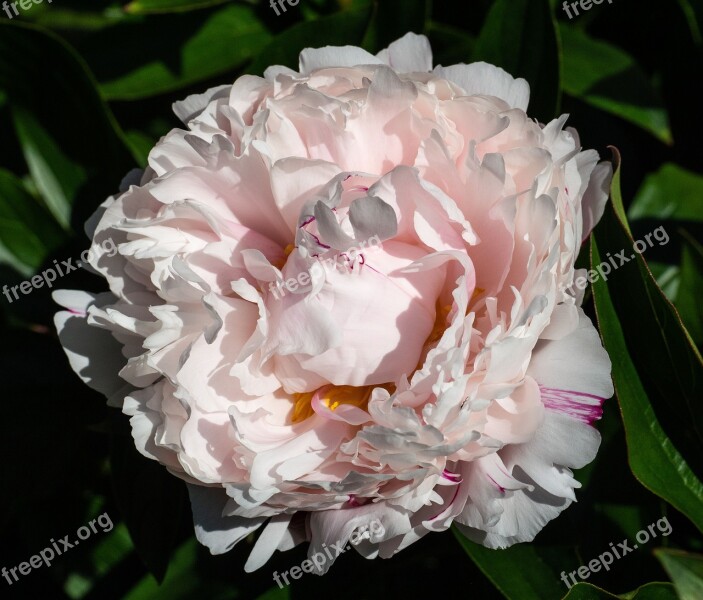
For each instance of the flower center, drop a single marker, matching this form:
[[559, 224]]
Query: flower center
[[334, 396], [281, 262], [440, 323]]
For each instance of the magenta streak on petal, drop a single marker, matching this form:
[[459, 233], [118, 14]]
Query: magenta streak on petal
[[454, 477], [500, 487], [317, 239], [446, 508], [579, 405], [76, 312], [318, 242], [377, 271]]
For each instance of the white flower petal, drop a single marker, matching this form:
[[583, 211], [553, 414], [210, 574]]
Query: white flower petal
[[483, 79], [312, 59], [411, 53], [220, 534]]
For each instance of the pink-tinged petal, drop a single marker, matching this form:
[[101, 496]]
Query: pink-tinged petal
[[156, 428], [596, 197], [297, 457], [500, 518], [515, 419], [345, 413], [584, 407], [220, 534], [564, 319], [410, 54], [295, 181], [248, 179], [270, 539], [94, 354], [482, 79], [576, 362], [312, 59], [193, 105], [334, 528], [374, 345]]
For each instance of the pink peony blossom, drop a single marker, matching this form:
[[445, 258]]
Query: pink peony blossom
[[446, 375]]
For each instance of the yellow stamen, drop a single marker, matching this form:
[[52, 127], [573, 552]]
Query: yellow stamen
[[440, 324], [477, 292], [303, 408], [346, 394], [334, 397], [281, 262]]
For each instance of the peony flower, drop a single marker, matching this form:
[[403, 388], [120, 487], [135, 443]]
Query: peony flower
[[344, 296]]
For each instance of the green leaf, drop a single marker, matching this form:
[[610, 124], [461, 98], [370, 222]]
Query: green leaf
[[183, 581], [519, 572], [690, 291], [521, 37], [653, 320], [670, 193], [276, 594], [71, 142], [60, 18], [393, 19], [105, 554], [450, 45], [344, 28], [163, 6], [693, 11], [654, 365], [27, 230], [141, 145], [179, 50], [629, 519], [604, 76], [651, 591], [685, 570], [668, 278], [58, 177], [150, 501], [8, 258]]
